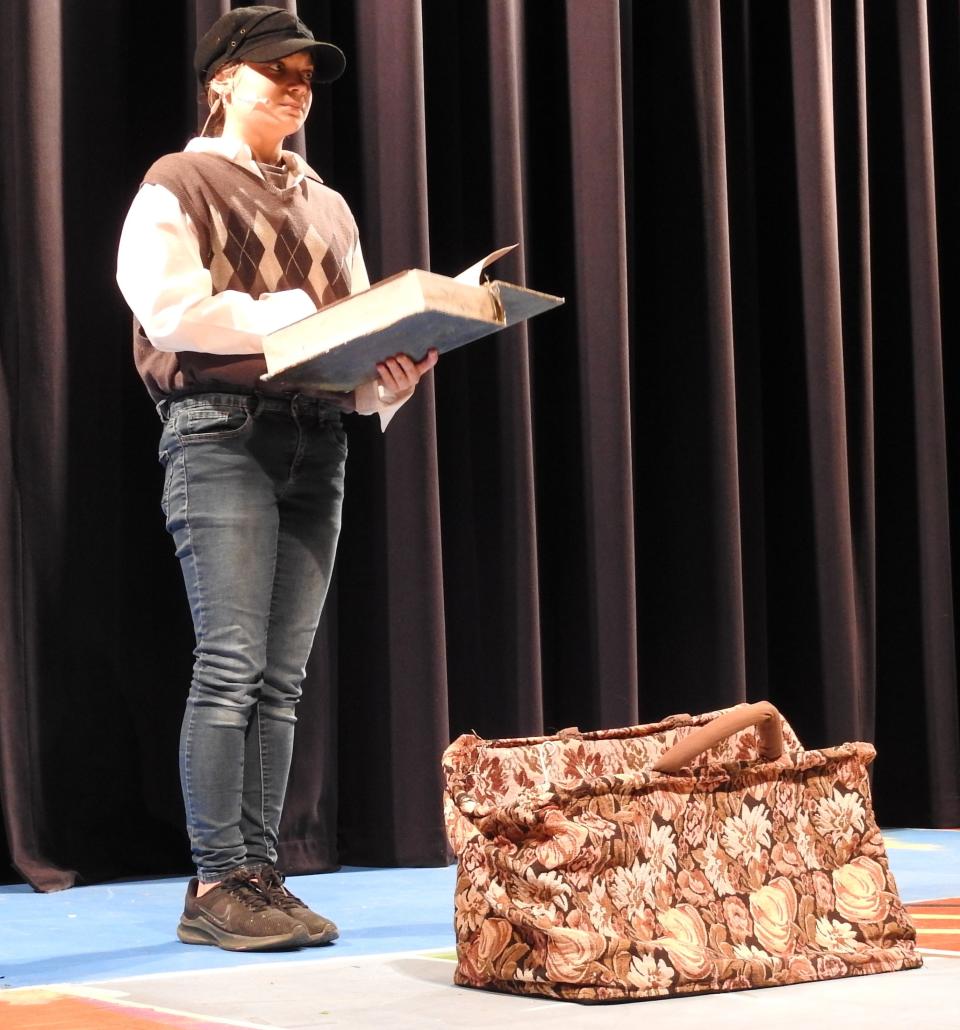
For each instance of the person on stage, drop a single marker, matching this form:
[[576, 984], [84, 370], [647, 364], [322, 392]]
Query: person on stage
[[227, 241]]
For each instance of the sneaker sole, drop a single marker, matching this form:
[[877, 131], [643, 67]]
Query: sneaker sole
[[191, 931], [319, 939]]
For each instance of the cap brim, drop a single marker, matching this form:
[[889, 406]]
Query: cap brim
[[328, 60]]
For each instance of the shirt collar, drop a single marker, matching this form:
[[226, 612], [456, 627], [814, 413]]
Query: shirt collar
[[240, 153]]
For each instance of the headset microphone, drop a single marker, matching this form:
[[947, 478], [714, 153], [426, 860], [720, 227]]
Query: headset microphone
[[253, 101]]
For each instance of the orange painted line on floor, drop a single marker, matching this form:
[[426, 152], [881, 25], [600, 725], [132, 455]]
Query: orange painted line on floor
[[937, 923], [46, 1010], [940, 905]]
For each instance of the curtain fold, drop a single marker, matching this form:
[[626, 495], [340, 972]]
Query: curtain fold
[[738, 90], [724, 470], [519, 631], [840, 635], [707, 64], [600, 303], [412, 699], [35, 407], [938, 632], [853, 201]]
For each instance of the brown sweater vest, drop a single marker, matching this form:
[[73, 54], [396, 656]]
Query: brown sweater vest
[[256, 239]]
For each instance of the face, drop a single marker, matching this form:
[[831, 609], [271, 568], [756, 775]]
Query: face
[[272, 97]]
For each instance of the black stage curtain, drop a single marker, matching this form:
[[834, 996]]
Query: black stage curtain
[[726, 470]]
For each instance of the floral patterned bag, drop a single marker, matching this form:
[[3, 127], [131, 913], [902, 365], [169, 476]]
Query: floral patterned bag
[[701, 853]]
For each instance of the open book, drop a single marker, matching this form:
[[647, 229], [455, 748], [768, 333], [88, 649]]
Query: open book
[[338, 347]]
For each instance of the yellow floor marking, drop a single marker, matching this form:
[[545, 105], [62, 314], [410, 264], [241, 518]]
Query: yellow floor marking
[[892, 844]]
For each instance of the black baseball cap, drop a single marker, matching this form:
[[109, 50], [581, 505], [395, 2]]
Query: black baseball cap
[[262, 33]]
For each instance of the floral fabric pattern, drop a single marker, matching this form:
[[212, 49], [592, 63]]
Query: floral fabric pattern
[[583, 874]]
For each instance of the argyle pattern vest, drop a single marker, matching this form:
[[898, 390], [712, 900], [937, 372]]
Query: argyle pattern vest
[[254, 238]]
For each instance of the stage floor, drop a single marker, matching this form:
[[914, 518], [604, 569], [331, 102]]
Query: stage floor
[[106, 956]]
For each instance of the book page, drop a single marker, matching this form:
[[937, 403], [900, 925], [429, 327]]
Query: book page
[[471, 276]]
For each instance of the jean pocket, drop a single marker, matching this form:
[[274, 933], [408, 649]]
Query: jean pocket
[[167, 475], [208, 423]]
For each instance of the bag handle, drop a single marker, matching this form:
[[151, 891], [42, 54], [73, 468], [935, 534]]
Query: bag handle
[[763, 715]]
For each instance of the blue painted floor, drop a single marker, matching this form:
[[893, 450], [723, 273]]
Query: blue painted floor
[[926, 863], [108, 931], [127, 929]]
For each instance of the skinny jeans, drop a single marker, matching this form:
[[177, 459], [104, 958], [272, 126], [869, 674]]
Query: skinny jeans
[[252, 497]]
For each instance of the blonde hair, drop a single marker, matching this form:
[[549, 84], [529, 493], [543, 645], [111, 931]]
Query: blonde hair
[[213, 126]]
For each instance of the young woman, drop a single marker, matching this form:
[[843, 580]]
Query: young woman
[[227, 241]]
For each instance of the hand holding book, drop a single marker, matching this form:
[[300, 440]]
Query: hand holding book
[[400, 374]]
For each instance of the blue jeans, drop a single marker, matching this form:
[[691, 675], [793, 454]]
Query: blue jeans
[[252, 498]]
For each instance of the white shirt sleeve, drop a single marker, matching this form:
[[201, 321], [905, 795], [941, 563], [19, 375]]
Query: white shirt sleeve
[[162, 278], [359, 280]]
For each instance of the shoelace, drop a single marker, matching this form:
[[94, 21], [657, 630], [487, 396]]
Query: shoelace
[[272, 883], [240, 885]]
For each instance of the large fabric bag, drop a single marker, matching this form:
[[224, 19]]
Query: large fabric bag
[[701, 853]]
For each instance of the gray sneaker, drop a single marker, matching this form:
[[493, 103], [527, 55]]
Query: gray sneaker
[[321, 929], [238, 916]]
